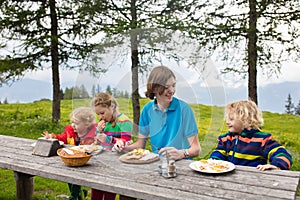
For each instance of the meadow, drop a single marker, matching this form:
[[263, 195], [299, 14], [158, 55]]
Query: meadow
[[31, 119]]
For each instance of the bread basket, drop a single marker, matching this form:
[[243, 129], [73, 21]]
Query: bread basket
[[74, 160]]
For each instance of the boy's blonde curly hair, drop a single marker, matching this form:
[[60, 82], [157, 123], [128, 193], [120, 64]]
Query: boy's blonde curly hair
[[84, 115], [247, 111]]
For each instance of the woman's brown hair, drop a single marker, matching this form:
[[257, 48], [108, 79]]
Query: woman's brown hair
[[105, 100], [158, 79]]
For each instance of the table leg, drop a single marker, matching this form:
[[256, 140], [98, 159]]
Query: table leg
[[24, 186]]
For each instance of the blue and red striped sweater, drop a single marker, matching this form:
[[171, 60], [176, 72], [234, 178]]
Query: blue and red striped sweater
[[251, 148]]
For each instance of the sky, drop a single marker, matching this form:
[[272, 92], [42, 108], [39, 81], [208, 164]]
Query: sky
[[189, 79], [290, 72], [185, 48], [194, 86]]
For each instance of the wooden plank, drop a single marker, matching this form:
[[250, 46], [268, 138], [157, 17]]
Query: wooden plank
[[142, 178], [109, 183], [106, 172]]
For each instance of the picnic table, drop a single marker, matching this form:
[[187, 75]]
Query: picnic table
[[106, 172]]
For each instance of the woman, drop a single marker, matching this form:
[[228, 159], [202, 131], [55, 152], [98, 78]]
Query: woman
[[168, 121]]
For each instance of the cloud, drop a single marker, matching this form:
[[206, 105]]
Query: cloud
[[289, 73], [120, 76]]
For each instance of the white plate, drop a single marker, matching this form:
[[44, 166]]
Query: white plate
[[212, 166]]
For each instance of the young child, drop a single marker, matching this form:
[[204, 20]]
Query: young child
[[80, 132], [245, 144], [82, 129], [113, 126]]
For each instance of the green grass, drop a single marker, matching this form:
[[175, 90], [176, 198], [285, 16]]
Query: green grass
[[31, 119]]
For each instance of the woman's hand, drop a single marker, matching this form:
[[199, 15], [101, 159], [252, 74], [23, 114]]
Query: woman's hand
[[174, 154], [267, 166], [47, 135]]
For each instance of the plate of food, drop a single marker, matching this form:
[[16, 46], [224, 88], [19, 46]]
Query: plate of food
[[139, 156], [212, 166]]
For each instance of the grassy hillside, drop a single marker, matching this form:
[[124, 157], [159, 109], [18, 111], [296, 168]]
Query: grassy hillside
[[30, 120]]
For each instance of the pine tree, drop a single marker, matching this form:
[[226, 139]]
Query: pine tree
[[93, 91], [126, 95], [289, 106], [83, 92], [252, 28], [297, 109], [98, 88], [5, 101], [108, 90], [68, 93], [61, 94], [43, 33]]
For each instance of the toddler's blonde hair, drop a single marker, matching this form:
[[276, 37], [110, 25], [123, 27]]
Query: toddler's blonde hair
[[247, 111], [84, 115]]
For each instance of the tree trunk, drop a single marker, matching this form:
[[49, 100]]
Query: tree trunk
[[55, 63], [252, 52], [134, 68]]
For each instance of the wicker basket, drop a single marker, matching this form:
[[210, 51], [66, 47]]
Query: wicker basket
[[74, 161]]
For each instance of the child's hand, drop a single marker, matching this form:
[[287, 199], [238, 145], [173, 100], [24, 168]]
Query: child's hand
[[47, 135], [120, 145], [101, 137], [101, 125], [267, 166]]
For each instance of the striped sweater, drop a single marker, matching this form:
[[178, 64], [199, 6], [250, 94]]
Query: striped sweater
[[121, 131], [251, 148]]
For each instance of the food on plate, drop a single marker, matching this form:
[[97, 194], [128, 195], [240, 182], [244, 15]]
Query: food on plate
[[213, 165], [149, 156], [69, 153], [137, 154], [86, 148]]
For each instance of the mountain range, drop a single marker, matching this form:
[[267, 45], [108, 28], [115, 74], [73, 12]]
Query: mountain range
[[271, 97]]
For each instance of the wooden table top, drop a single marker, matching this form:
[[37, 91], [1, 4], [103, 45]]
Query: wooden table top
[[105, 172]]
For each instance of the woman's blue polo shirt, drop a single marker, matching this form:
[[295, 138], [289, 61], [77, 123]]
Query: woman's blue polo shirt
[[170, 128]]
